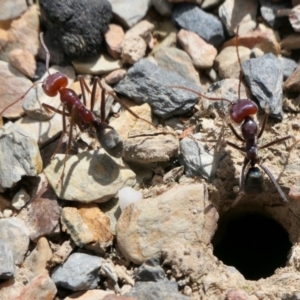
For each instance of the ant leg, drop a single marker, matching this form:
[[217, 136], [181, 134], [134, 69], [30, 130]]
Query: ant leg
[[235, 146], [262, 129], [84, 87], [239, 60], [235, 133], [281, 193], [47, 106], [276, 142]]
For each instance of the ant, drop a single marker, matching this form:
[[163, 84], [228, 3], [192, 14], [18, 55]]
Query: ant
[[241, 112], [79, 114]]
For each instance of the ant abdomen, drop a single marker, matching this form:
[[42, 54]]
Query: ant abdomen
[[109, 139], [53, 83], [241, 109], [254, 182]]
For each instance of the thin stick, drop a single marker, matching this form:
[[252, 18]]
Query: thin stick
[[46, 50]]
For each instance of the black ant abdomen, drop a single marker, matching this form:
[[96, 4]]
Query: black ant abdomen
[[109, 139], [254, 181], [53, 83]]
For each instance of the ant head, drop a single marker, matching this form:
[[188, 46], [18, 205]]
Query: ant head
[[242, 109], [53, 83]]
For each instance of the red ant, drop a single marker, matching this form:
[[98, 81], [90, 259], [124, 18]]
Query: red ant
[[241, 113], [56, 83]]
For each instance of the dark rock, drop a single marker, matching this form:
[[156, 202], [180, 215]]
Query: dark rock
[[7, 267], [264, 76], [79, 26], [147, 83], [193, 18], [150, 270], [156, 290]]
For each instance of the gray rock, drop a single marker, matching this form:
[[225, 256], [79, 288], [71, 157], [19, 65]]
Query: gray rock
[[163, 7], [150, 270], [147, 83], [196, 160], [19, 155], [124, 12], [264, 77], [79, 27], [14, 232], [12, 10], [193, 18], [7, 267], [156, 290], [79, 272], [289, 66], [178, 61]]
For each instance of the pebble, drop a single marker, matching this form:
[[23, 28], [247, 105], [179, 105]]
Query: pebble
[[124, 12], [24, 61], [19, 155], [88, 226], [178, 61], [163, 290], [147, 83], [114, 37], [150, 270], [41, 287], [149, 226], [294, 18], [135, 42], [79, 272], [264, 76], [89, 295], [12, 10], [148, 146], [91, 176], [115, 297], [115, 76], [227, 62], [20, 199], [237, 294], [201, 53], [238, 12], [16, 235], [164, 7], [79, 34], [7, 267], [289, 66], [195, 158], [128, 195], [62, 251], [191, 17]]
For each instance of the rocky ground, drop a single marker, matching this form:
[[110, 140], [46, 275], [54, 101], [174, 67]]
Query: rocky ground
[[75, 236]]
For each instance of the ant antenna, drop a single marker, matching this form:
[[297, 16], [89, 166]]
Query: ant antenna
[[239, 59], [46, 50]]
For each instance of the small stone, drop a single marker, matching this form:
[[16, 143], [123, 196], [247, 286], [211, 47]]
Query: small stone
[[202, 53], [238, 12], [163, 7], [128, 195], [115, 76], [89, 176], [149, 226], [113, 211], [123, 9], [294, 18], [236, 294], [264, 76], [90, 295], [192, 18], [20, 199], [11, 10], [150, 270], [115, 297], [7, 213], [14, 232], [41, 287], [114, 37], [62, 251], [176, 60], [7, 267], [289, 66], [227, 62], [24, 61], [295, 191], [292, 84], [20, 155], [79, 272]]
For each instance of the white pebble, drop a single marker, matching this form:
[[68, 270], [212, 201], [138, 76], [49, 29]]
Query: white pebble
[[20, 199], [128, 195]]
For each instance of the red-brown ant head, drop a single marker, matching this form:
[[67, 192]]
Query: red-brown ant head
[[53, 83], [241, 109]]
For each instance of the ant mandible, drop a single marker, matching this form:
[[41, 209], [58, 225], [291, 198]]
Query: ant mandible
[[79, 114], [241, 113]]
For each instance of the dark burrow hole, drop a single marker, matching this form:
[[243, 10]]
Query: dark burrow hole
[[254, 244]]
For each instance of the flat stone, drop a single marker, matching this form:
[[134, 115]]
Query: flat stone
[[12, 10], [96, 65], [7, 266], [20, 155], [147, 83], [178, 216], [201, 53], [176, 60], [114, 37], [238, 12], [79, 272], [192, 18], [264, 76], [16, 235], [115, 76], [89, 176]]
